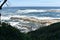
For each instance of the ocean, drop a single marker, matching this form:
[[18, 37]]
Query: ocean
[[25, 18]]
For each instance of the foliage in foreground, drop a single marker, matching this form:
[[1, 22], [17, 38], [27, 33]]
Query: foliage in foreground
[[8, 32], [51, 32]]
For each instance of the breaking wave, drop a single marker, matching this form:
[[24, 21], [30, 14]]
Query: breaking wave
[[24, 16], [20, 22], [30, 10], [25, 26], [35, 10]]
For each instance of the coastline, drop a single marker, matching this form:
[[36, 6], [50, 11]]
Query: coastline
[[42, 21]]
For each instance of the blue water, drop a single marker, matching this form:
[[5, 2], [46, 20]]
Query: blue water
[[36, 12], [13, 11]]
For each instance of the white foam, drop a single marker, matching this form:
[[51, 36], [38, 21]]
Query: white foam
[[8, 17], [23, 16], [18, 16], [36, 10], [30, 10], [24, 29], [5, 17], [13, 23], [43, 18]]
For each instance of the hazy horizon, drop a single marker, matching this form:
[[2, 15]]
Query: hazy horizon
[[33, 3]]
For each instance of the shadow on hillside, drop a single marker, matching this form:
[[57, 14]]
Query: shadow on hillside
[[51, 32]]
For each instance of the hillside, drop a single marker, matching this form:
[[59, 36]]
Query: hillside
[[51, 32]]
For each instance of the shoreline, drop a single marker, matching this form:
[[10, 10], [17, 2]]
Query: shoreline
[[47, 21]]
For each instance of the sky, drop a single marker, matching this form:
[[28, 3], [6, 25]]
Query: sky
[[33, 3]]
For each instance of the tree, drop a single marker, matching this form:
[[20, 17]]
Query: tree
[[3, 4], [51, 32], [7, 32]]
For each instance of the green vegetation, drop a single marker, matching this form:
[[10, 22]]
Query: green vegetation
[[52, 32], [8, 32]]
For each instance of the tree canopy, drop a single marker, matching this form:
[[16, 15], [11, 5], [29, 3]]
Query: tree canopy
[[51, 32]]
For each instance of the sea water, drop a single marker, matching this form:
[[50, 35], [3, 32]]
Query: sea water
[[40, 13]]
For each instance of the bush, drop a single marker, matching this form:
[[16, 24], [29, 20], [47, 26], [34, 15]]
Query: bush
[[7, 32], [51, 32]]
